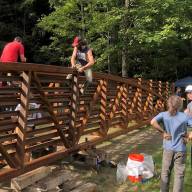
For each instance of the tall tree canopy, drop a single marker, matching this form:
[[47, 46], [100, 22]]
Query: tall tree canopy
[[141, 38], [154, 34]]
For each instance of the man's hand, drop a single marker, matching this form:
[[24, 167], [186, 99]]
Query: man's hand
[[23, 59], [77, 66], [73, 67], [167, 136], [80, 70]]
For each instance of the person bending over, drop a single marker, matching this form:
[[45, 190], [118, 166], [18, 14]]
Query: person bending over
[[13, 50]]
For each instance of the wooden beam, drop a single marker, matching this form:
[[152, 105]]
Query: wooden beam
[[22, 118]]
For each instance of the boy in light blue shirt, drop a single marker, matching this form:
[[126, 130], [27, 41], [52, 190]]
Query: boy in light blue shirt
[[174, 132]]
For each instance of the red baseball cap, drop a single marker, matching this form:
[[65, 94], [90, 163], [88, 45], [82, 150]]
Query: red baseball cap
[[75, 41]]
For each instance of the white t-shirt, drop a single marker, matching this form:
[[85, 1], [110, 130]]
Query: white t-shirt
[[32, 115]]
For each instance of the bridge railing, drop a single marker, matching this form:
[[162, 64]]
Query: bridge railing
[[41, 109]]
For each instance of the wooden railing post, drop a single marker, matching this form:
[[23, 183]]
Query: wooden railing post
[[124, 104], [159, 104], [149, 100], [103, 108], [139, 99], [22, 119], [167, 90], [134, 102], [74, 131]]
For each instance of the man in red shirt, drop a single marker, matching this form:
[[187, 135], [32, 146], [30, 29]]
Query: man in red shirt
[[13, 50]]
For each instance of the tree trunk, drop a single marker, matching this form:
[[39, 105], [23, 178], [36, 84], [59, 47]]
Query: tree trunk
[[124, 51], [124, 64]]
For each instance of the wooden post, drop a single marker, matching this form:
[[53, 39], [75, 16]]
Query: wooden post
[[22, 119], [159, 104], [73, 131], [124, 105], [148, 107], [139, 100], [167, 90], [103, 108]]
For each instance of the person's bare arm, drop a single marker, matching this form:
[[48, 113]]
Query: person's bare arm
[[23, 58], [73, 57], [90, 59], [22, 53], [157, 126]]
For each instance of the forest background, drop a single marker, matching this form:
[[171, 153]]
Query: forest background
[[130, 38]]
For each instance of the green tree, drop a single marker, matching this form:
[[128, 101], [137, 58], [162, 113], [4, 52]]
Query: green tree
[[162, 33], [146, 38]]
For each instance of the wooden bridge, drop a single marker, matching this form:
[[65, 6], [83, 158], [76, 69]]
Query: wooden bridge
[[40, 108]]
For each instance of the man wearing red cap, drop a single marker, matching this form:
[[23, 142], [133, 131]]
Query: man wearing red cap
[[83, 58]]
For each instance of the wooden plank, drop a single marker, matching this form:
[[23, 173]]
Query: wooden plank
[[21, 182], [41, 138], [6, 114], [34, 67], [5, 122], [57, 178], [10, 127], [37, 146], [8, 137]]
